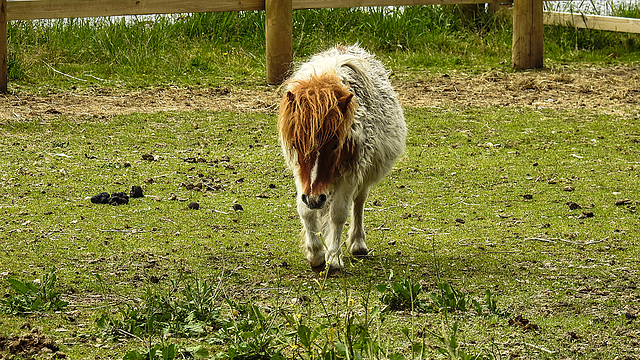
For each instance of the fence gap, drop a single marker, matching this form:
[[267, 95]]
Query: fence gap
[[279, 39]]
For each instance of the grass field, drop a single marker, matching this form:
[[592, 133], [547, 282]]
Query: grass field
[[504, 232], [481, 201]]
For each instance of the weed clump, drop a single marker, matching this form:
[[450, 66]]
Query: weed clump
[[404, 294], [35, 296], [193, 311]]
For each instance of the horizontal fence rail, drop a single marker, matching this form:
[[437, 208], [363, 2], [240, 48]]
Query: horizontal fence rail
[[56, 9], [595, 22], [528, 21]]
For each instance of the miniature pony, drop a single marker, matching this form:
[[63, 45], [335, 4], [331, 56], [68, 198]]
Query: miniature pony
[[341, 129]]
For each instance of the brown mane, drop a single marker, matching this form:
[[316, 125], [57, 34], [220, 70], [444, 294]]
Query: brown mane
[[314, 111]]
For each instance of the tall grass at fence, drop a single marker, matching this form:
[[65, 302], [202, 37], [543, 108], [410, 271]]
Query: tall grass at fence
[[222, 47], [571, 44]]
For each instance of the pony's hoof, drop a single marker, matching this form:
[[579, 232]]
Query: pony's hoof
[[318, 268], [334, 271], [360, 253]]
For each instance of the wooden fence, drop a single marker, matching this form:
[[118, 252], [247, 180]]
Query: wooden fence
[[595, 22], [527, 21]]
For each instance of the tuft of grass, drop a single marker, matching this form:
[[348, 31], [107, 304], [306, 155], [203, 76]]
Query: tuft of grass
[[402, 295], [33, 296], [447, 344], [167, 352], [251, 334], [489, 306], [194, 311], [448, 299]]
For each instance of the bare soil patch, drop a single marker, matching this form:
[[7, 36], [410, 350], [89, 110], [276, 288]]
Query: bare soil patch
[[608, 88], [29, 344], [588, 88]]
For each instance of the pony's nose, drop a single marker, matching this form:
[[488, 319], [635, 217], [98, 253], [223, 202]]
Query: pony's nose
[[314, 202]]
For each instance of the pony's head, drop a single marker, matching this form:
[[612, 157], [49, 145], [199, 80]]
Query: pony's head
[[315, 121]]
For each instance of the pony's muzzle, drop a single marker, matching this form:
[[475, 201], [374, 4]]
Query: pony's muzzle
[[314, 202]]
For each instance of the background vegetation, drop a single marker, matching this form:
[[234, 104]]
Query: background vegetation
[[216, 48]]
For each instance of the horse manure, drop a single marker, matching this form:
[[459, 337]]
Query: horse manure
[[102, 198], [573, 206], [136, 192], [117, 198], [525, 324], [586, 214]]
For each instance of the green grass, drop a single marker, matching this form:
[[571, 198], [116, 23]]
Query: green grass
[[223, 48], [478, 202], [477, 253]]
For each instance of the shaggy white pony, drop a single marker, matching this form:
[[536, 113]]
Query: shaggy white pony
[[341, 128]]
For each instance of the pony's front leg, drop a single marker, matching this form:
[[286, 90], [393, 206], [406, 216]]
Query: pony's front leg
[[312, 242], [338, 217]]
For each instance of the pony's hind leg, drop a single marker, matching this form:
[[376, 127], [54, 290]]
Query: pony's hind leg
[[356, 240]]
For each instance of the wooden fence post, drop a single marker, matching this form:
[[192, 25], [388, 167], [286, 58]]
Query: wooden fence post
[[527, 51], [279, 39], [3, 47]]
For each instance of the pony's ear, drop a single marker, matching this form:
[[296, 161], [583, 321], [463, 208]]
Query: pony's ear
[[291, 97], [343, 103]]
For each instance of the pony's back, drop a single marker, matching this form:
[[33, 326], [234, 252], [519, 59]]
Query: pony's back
[[338, 61]]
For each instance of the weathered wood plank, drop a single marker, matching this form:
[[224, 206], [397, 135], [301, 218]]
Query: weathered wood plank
[[315, 4], [596, 22], [527, 50], [279, 39], [3, 47], [54, 9]]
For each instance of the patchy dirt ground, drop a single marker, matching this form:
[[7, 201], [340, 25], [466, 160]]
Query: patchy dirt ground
[[29, 344], [608, 88]]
